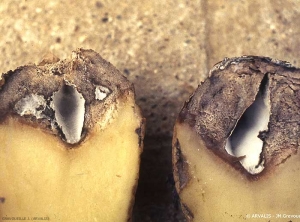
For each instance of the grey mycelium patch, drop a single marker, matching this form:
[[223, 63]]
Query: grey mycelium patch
[[32, 104]]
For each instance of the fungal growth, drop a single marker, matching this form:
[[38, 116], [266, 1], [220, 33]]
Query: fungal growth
[[67, 128], [245, 141], [31, 105], [101, 92], [68, 106], [236, 140]]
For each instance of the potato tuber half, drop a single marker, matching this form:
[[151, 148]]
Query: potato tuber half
[[71, 137], [236, 142]]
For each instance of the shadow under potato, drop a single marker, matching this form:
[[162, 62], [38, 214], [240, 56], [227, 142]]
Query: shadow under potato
[[156, 198]]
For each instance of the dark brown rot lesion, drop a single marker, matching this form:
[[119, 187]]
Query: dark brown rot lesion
[[231, 106], [140, 131], [67, 104], [187, 212], [180, 167]]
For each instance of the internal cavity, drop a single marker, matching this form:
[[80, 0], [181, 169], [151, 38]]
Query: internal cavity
[[244, 140], [69, 108]]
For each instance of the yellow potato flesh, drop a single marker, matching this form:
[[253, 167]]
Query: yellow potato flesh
[[218, 192], [41, 177]]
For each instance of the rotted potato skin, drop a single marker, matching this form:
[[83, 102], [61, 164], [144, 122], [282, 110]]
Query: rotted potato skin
[[219, 102], [86, 72]]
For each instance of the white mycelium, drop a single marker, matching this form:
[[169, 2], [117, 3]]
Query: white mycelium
[[31, 105], [101, 92]]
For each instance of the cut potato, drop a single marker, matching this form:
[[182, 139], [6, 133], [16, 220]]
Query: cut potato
[[71, 137], [236, 143]]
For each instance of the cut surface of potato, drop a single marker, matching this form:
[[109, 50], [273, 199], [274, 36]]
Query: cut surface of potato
[[236, 143], [71, 152], [217, 192]]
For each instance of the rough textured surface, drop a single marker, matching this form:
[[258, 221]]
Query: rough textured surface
[[164, 47], [84, 72], [219, 103]]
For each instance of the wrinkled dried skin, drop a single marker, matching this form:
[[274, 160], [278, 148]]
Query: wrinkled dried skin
[[248, 104], [71, 138]]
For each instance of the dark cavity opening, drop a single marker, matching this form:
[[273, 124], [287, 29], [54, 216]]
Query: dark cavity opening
[[245, 141], [68, 105]]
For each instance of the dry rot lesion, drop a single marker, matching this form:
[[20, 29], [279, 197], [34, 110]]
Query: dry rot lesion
[[68, 107], [59, 120], [240, 142], [244, 141]]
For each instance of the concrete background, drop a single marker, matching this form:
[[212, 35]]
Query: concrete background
[[165, 48]]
